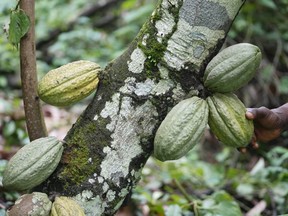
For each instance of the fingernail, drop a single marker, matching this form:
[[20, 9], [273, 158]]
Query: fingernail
[[255, 145], [242, 150]]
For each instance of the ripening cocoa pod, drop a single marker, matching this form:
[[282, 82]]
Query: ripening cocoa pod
[[35, 204], [227, 120], [69, 83], [181, 129], [32, 164], [64, 206], [232, 68]]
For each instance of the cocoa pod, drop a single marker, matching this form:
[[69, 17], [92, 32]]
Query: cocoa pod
[[35, 204], [69, 83], [232, 68], [64, 206], [227, 120], [181, 129], [32, 164]]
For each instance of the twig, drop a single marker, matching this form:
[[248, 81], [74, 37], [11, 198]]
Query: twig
[[272, 202], [33, 112], [17, 5], [278, 52], [187, 197]]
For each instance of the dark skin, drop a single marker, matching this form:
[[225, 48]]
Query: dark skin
[[268, 123]]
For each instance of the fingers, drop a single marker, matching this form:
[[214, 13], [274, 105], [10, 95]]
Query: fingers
[[264, 118], [243, 150], [249, 115], [259, 113], [253, 144]]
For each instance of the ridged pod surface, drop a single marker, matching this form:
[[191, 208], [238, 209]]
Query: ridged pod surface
[[69, 83], [181, 129], [227, 120], [232, 68], [35, 204], [32, 164], [64, 206]]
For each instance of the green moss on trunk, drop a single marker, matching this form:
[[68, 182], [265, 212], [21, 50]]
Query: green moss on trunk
[[153, 48], [78, 156]]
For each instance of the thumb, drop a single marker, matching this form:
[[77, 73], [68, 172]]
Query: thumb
[[250, 113]]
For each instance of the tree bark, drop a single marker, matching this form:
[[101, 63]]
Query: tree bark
[[33, 110], [111, 141]]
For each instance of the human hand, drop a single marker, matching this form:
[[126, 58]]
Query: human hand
[[268, 124]]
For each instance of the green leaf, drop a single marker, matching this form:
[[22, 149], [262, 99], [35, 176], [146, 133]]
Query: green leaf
[[246, 190], [9, 128], [3, 164], [3, 82], [220, 204], [173, 210], [280, 189], [277, 156], [213, 176], [269, 4], [128, 4], [222, 196], [18, 27], [228, 209], [139, 14]]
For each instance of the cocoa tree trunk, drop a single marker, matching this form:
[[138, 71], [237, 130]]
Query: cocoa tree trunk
[[109, 144]]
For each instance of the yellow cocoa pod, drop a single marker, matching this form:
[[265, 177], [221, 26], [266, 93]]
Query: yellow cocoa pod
[[64, 206], [69, 83]]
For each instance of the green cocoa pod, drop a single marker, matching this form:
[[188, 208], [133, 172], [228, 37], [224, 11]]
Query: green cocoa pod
[[69, 83], [35, 204], [232, 68], [32, 164], [64, 206], [227, 120], [181, 130]]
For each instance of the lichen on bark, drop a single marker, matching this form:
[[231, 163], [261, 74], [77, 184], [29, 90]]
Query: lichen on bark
[[162, 66]]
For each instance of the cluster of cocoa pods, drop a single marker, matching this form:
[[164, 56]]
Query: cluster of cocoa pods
[[222, 110], [179, 132], [36, 161], [29, 167], [38, 204]]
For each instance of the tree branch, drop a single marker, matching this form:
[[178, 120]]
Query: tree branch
[[110, 143], [33, 112]]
